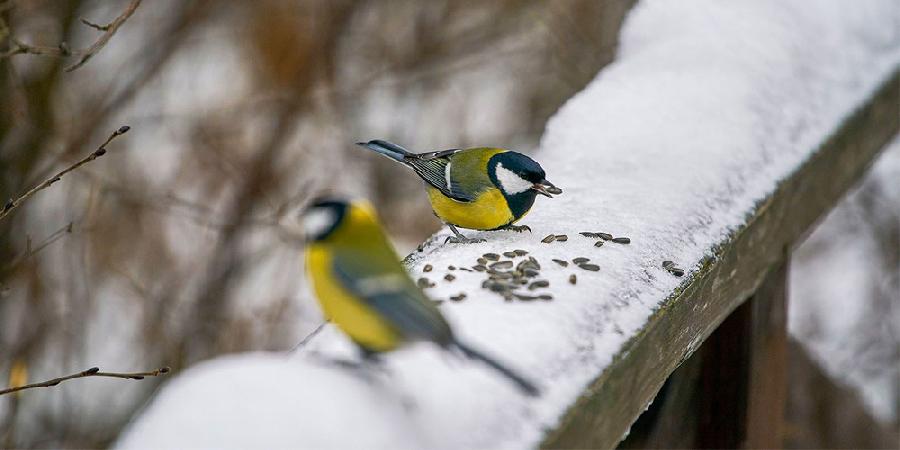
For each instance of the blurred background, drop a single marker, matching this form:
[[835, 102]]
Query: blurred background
[[175, 246]]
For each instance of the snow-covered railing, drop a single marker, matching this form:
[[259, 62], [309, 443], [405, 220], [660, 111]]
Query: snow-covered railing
[[714, 141]]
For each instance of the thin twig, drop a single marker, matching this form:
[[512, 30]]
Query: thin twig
[[29, 251], [13, 204], [92, 372], [18, 47], [309, 336]]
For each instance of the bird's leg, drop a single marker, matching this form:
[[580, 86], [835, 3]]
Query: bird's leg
[[459, 238], [518, 228]]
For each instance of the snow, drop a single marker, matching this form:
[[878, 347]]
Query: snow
[[707, 106]]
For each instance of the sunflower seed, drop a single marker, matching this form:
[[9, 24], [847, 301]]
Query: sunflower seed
[[427, 268], [580, 260], [496, 274], [590, 267], [465, 269], [479, 268], [525, 297], [545, 297], [491, 256], [451, 267], [573, 279], [588, 234], [604, 236], [677, 272], [424, 283], [668, 264], [534, 262], [497, 287], [562, 237], [599, 243], [520, 252], [501, 265], [510, 254], [459, 297], [621, 240], [561, 262], [530, 273], [449, 277], [538, 284], [481, 261], [550, 238]]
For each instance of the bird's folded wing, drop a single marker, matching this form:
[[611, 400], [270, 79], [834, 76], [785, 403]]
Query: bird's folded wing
[[434, 168]]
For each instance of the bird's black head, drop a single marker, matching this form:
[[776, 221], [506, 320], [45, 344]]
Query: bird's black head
[[520, 178], [323, 216]]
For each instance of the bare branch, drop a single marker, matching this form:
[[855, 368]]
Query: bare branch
[[29, 251], [13, 204], [18, 47], [92, 372]]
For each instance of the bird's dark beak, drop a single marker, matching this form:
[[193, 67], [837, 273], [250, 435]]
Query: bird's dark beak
[[546, 188]]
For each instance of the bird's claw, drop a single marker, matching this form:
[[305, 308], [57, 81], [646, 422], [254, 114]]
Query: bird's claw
[[519, 228], [463, 240]]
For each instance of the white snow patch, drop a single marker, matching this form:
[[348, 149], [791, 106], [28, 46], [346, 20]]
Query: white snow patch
[[707, 106]]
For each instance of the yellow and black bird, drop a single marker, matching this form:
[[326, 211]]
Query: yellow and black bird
[[479, 188], [365, 291]]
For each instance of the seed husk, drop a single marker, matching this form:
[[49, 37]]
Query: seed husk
[[449, 277], [491, 256], [604, 236], [599, 243], [479, 268], [500, 275], [580, 260], [534, 262], [510, 254], [621, 240], [562, 237], [538, 284], [668, 264], [545, 297], [520, 252], [451, 267], [573, 279], [501, 265], [427, 268], [530, 273], [497, 286], [459, 297], [550, 238], [561, 262], [424, 283], [677, 272], [588, 234], [525, 297], [465, 269], [590, 267], [481, 261]]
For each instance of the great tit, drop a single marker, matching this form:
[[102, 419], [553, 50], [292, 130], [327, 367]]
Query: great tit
[[479, 188], [365, 291]]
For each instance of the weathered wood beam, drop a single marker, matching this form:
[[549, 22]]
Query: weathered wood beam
[[602, 416]]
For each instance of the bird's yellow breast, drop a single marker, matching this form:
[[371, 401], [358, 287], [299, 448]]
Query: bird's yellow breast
[[487, 212], [343, 308]]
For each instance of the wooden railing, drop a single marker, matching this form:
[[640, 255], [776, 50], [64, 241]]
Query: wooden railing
[[728, 322]]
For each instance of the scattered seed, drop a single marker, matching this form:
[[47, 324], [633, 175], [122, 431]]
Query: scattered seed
[[550, 238], [530, 273], [677, 272], [562, 237], [496, 286], [451, 267], [573, 279], [580, 260], [459, 297], [481, 261], [525, 297], [520, 252], [479, 268], [534, 262], [588, 234], [501, 265], [545, 297], [605, 236], [668, 264], [621, 240], [449, 277], [424, 283], [561, 262], [465, 269], [599, 243], [491, 256], [538, 284], [427, 268], [496, 274], [590, 267], [510, 254]]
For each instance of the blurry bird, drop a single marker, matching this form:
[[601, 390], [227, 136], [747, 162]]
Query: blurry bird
[[477, 188], [364, 290]]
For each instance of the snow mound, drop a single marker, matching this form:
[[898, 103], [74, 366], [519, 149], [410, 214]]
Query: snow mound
[[707, 106]]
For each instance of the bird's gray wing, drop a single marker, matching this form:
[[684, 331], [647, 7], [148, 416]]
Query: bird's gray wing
[[434, 167], [383, 284]]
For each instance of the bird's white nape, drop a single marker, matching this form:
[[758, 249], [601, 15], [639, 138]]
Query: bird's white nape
[[510, 182], [318, 221]]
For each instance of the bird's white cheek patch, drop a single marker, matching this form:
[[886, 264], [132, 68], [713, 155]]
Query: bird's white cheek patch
[[317, 221], [510, 182]]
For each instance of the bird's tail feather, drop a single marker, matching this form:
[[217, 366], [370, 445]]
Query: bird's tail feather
[[386, 148], [520, 381]]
